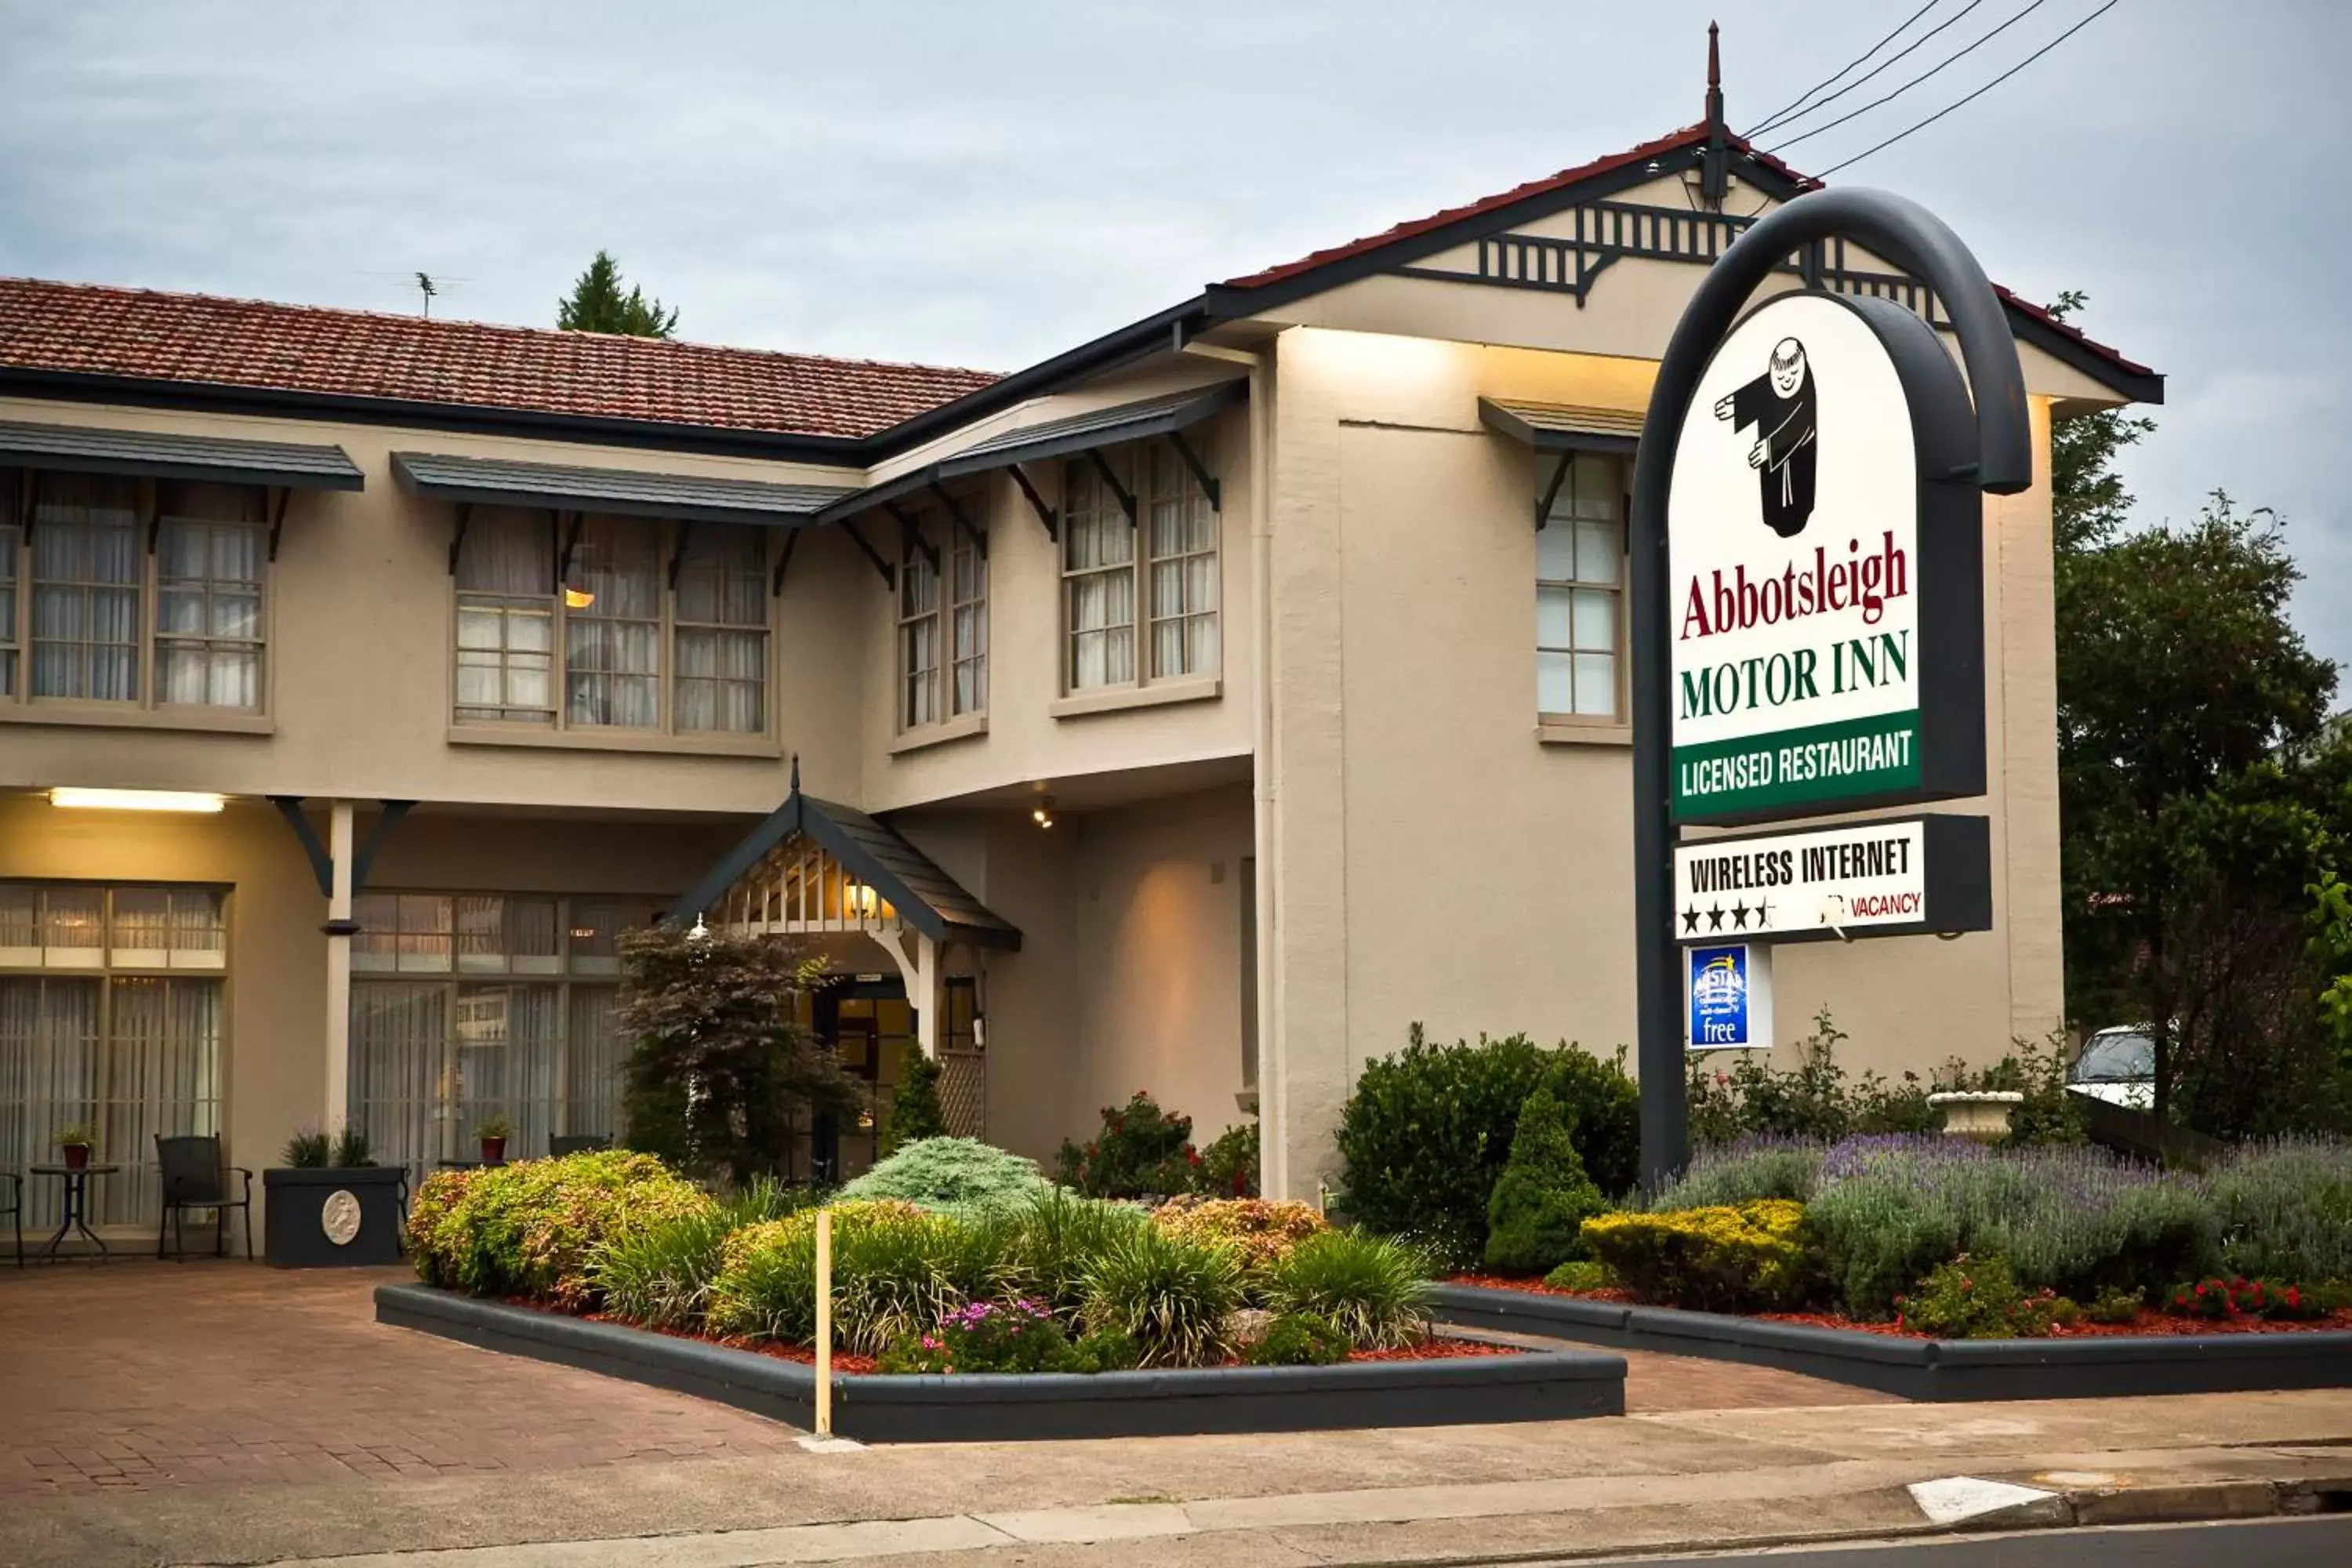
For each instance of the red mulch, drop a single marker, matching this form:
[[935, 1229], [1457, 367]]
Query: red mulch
[[2150, 1324], [1436, 1350]]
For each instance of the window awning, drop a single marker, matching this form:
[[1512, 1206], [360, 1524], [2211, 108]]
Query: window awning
[[155, 454], [1054, 438], [763, 882], [494, 481], [1564, 428]]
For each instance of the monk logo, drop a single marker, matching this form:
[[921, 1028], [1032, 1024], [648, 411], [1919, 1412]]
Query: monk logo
[[1779, 404]]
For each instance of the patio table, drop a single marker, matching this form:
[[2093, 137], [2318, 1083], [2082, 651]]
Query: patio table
[[76, 1183]]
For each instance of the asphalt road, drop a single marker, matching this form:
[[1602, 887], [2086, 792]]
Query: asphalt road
[[2271, 1543]]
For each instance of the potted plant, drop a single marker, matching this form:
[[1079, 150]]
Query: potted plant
[[74, 1141], [330, 1204], [493, 1131]]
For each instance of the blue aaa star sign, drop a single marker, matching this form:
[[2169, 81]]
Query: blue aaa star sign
[[1719, 996]]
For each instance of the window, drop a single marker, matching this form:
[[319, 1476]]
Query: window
[[1579, 578], [1100, 564], [968, 617], [75, 595], [919, 635], [663, 627], [466, 1005], [97, 1025]]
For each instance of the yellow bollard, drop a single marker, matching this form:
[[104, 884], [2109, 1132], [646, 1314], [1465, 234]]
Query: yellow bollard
[[825, 1323]]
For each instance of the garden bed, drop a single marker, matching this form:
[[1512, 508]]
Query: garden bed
[[2182, 1356], [1471, 1387]]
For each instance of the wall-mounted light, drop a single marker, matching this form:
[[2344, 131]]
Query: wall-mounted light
[[859, 900], [1042, 816], [78, 799], [577, 598]]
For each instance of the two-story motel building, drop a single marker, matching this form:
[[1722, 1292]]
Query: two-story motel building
[[1192, 712]]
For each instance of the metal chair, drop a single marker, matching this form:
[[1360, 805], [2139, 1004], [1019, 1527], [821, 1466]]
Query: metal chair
[[14, 1193], [195, 1178], [578, 1144]]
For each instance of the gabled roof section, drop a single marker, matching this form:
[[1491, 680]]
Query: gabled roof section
[[925, 897], [199, 340]]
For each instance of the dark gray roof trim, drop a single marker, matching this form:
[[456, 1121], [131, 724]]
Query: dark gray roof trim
[[89, 449], [1564, 428], [925, 897], [628, 492], [1054, 438]]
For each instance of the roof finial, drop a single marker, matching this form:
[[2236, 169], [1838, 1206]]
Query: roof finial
[[1714, 170], [796, 772]]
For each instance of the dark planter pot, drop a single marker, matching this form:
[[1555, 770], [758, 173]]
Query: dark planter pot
[[494, 1150], [309, 1210], [77, 1156]]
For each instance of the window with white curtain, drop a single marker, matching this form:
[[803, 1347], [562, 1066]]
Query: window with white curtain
[[1125, 585], [1579, 592], [919, 635], [663, 627], [107, 1018], [467, 1006], [968, 627], [1098, 576], [149, 595]]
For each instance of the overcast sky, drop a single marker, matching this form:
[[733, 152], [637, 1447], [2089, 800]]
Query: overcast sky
[[986, 184]]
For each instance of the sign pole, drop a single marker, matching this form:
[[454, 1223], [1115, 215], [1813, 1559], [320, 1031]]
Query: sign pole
[[825, 1323], [1913, 240]]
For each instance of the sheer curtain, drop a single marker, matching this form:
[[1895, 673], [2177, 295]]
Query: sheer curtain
[[612, 641], [506, 618], [208, 633], [1098, 565], [49, 1078], [161, 1078], [86, 578], [1183, 572], [400, 1036], [970, 639], [8, 570], [722, 631]]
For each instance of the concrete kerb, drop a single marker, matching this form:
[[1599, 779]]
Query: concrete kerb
[[1539, 1385], [1925, 1369]]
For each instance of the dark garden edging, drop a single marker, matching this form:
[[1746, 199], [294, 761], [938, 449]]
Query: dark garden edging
[[1549, 1385], [1942, 1370]]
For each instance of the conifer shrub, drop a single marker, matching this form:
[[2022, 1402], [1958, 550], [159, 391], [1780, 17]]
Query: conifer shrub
[[951, 1176], [1544, 1196], [914, 1112]]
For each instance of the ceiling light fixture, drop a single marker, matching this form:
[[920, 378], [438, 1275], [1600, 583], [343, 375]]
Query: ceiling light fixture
[[1043, 814], [79, 799]]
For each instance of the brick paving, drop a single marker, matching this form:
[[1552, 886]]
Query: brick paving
[[139, 1375]]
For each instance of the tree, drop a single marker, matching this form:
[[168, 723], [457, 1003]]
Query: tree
[[2195, 798], [722, 1071], [1536, 1217], [598, 305]]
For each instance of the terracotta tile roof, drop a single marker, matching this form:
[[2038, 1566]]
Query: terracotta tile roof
[[202, 339], [1688, 136]]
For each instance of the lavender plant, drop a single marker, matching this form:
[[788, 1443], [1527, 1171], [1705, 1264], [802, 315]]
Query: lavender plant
[[2287, 1210], [1753, 1168]]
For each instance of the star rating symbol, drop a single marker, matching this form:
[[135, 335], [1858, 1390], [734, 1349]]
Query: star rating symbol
[[1739, 917], [1764, 913], [1715, 918], [1690, 917]]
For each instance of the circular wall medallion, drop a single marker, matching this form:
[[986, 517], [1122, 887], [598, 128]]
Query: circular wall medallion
[[338, 1217]]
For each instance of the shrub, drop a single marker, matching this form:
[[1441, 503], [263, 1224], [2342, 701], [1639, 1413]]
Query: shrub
[[951, 1176], [766, 1284], [1744, 1172], [661, 1275], [1543, 1197], [1141, 1151], [2115, 1305], [1297, 1339], [2072, 1219], [1581, 1274], [532, 1229], [1257, 1230], [1055, 1237], [914, 1113], [1719, 1259], [1980, 1299], [1426, 1133], [1106, 1349], [1229, 1165], [2286, 1209], [2239, 1297], [1019, 1335], [1171, 1295], [1373, 1291]]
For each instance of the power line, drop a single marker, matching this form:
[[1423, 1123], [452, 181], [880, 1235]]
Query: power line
[[1906, 52], [1980, 92], [1780, 115], [1950, 60]]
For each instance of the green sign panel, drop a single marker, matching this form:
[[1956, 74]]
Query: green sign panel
[[1770, 773]]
